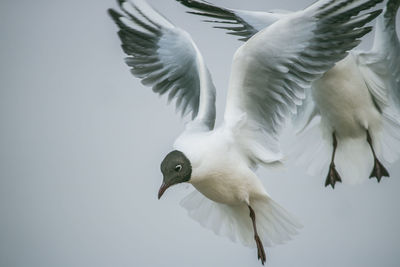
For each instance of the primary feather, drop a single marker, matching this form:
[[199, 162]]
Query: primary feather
[[270, 74], [165, 57], [272, 71]]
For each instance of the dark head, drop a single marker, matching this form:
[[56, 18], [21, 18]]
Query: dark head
[[176, 169]]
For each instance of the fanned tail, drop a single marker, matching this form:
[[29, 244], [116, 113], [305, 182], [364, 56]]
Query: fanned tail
[[390, 136], [274, 224], [353, 160]]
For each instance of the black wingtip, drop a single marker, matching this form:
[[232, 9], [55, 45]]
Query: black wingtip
[[367, 29], [193, 12], [120, 2], [187, 3], [115, 15], [375, 13]]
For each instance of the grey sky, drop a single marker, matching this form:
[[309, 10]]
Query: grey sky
[[81, 142]]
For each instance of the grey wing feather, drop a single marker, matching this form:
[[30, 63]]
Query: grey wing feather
[[381, 66], [241, 23], [165, 58], [272, 71]]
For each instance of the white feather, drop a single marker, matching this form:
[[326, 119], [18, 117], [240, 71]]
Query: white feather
[[274, 224], [270, 74]]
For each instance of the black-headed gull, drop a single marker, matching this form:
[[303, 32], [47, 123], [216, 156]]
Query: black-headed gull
[[358, 100], [269, 75]]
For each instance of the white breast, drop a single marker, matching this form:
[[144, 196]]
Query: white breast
[[218, 170], [344, 100]]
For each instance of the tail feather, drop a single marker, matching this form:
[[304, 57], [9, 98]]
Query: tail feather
[[274, 224], [390, 139], [354, 160], [311, 149]]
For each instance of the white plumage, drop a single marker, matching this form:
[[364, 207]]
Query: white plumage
[[269, 77], [359, 94]]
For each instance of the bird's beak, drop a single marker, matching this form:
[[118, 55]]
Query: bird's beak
[[163, 187]]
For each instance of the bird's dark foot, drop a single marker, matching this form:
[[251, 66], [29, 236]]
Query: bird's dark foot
[[379, 171], [333, 176], [260, 249]]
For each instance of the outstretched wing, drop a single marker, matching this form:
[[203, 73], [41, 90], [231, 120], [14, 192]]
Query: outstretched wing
[[272, 70], [237, 22], [166, 58], [381, 66]]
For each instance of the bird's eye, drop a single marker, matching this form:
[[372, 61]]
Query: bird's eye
[[178, 167]]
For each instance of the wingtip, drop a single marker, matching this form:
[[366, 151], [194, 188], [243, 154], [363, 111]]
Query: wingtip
[[372, 15], [185, 2], [121, 2], [115, 15], [376, 13], [367, 29]]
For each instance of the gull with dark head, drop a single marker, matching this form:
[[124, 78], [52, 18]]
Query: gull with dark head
[[357, 102], [269, 75]]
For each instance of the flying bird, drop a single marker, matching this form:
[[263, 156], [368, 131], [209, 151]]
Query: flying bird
[[357, 102], [269, 75]]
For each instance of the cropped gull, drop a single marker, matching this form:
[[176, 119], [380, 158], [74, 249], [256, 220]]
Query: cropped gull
[[357, 102], [269, 76]]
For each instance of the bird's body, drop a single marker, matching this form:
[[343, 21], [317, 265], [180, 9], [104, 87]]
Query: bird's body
[[268, 80], [345, 104], [357, 100], [219, 170]]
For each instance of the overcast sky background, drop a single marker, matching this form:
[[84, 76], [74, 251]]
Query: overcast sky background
[[81, 141]]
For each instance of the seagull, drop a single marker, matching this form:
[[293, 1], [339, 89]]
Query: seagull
[[269, 75], [357, 102]]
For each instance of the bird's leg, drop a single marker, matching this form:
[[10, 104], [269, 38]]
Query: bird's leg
[[260, 247], [333, 176], [379, 170]]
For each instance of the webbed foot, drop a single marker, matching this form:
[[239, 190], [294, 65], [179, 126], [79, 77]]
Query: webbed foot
[[332, 177], [379, 171], [260, 249]]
